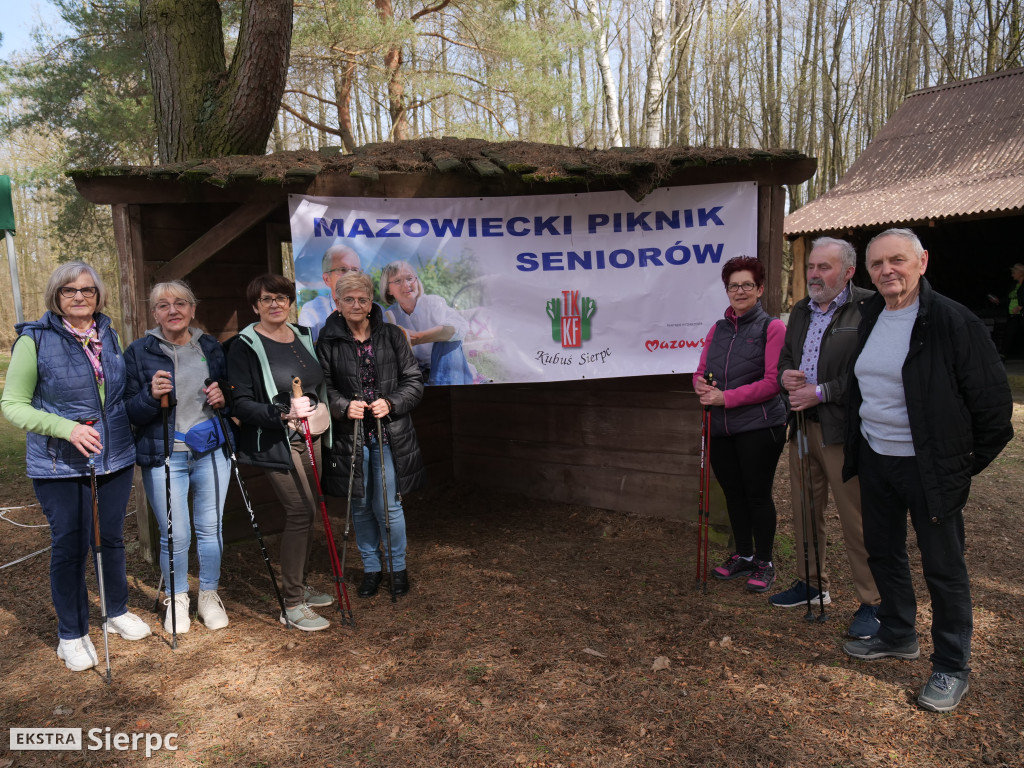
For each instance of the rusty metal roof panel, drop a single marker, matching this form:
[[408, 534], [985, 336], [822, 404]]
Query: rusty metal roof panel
[[953, 150]]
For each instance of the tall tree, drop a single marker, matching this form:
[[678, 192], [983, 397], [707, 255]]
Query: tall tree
[[204, 106]]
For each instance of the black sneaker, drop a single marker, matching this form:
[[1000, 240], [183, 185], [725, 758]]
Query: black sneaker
[[943, 692], [762, 577], [876, 648], [371, 583], [733, 566]]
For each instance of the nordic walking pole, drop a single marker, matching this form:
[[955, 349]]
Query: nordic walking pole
[[808, 497], [387, 512], [801, 452], [165, 408], [704, 494], [339, 576], [822, 616], [230, 451], [159, 587], [356, 423], [99, 562]]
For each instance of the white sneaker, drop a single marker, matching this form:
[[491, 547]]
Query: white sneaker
[[181, 618], [211, 609], [129, 626], [78, 654]]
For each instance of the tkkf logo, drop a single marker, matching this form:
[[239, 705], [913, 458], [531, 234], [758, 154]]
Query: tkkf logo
[[570, 318]]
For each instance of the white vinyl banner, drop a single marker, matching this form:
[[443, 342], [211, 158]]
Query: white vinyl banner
[[537, 288]]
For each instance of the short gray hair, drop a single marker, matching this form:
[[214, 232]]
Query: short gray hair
[[68, 273], [336, 250], [177, 288], [906, 234], [847, 253]]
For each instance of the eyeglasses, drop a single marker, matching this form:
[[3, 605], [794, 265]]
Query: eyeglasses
[[745, 287], [403, 280], [179, 304], [351, 301], [267, 301], [343, 270], [88, 292]]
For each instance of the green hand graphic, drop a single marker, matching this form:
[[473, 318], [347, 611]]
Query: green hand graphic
[[587, 311], [555, 313]]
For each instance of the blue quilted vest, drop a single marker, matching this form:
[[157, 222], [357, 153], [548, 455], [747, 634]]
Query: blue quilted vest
[[736, 357], [68, 388]]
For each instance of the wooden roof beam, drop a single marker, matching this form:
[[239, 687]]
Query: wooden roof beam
[[237, 223]]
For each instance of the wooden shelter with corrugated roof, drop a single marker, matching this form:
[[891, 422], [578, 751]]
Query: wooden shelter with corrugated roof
[[950, 165], [626, 444]]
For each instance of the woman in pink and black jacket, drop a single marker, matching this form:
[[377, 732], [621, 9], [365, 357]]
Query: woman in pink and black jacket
[[748, 418]]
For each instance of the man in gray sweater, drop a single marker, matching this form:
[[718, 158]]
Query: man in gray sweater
[[929, 408]]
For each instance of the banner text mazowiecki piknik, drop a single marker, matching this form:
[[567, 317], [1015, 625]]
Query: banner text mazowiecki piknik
[[537, 288]]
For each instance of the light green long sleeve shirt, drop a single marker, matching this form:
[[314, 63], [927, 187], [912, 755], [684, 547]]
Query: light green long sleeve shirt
[[16, 401]]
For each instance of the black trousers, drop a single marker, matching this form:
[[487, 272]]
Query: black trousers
[[745, 467], [889, 487]]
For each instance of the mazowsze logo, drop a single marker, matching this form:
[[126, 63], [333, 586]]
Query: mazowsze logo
[[570, 318], [655, 344]]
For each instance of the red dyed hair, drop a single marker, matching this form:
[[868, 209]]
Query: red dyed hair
[[741, 263]]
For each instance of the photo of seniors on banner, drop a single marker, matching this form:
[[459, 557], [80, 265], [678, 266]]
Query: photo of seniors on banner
[[536, 288]]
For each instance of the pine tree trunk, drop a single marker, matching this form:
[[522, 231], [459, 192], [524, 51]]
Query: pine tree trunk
[[205, 108]]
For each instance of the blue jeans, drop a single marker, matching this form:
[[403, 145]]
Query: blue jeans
[[448, 364], [67, 504], [889, 487], [208, 476], [368, 513]]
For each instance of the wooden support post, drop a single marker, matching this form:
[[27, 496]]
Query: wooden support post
[[132, 292]]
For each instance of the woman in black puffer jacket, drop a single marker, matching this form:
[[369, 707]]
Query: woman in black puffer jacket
[[371, 374]]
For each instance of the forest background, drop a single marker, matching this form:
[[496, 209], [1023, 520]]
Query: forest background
[[818, 76]]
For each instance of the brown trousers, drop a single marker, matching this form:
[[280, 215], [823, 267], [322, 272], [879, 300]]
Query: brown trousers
[[296, 491], [826, 463]]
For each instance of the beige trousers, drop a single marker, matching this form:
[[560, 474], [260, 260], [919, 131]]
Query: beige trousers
[[826, 464]]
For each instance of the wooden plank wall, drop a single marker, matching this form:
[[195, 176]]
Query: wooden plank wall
[[628, 444]]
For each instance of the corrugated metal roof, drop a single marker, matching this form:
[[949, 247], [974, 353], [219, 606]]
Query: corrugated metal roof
[[954, 150]]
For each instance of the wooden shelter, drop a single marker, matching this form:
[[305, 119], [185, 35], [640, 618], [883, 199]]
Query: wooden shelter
[[950, 165], [626, 444]]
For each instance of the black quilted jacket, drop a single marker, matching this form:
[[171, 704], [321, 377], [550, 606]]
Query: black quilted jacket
[[399, 380]]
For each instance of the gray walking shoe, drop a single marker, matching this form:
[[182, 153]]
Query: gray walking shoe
[[305, 618], [943, 692], [876, 648], [316, 599]]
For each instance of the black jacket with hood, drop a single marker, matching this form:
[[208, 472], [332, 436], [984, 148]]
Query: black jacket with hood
[[398, 376]]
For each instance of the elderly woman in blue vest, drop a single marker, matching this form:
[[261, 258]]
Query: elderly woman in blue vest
[[748, 419], [177, 360], [262, 360], [65, 386]]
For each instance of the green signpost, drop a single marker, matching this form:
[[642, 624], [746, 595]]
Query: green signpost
[[8, 227]]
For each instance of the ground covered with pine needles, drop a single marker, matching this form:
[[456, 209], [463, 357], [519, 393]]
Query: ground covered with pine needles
[[536, 634]]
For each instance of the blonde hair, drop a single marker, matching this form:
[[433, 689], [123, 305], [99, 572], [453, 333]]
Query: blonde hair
[[179, 289], [389, 272]]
